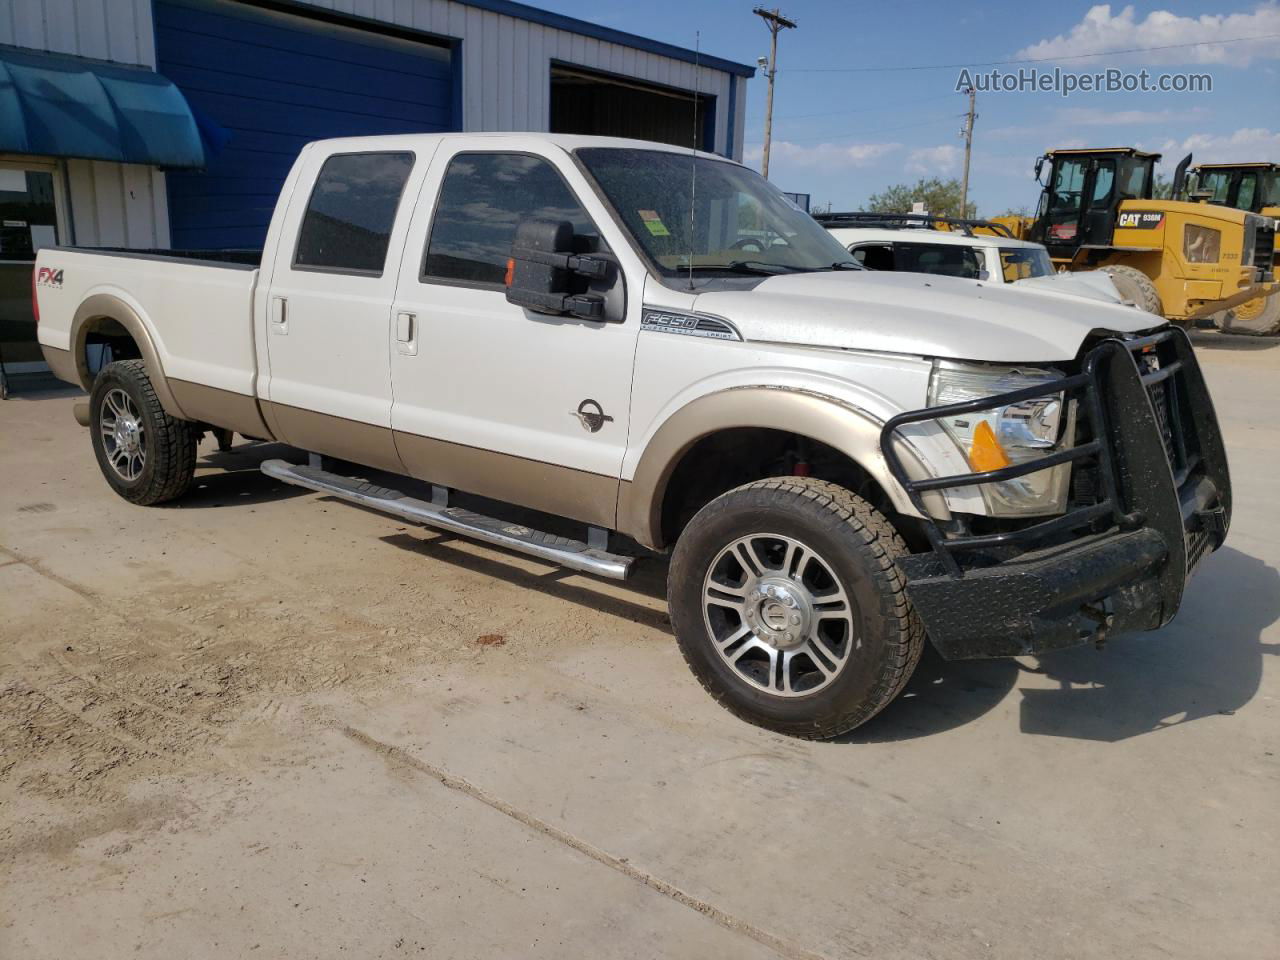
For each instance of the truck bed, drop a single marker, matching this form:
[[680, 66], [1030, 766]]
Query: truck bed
[[194, 309]]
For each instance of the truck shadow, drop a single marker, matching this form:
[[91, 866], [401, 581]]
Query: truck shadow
[[233, 477], [641, 599], [1216, 340], [1207, 663]]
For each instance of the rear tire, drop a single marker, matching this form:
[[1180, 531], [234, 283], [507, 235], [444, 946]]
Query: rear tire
[[1135, 285], [1254, 319], [819, 636], [146, 455]]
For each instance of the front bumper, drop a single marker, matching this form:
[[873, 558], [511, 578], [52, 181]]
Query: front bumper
[[1119, 559]]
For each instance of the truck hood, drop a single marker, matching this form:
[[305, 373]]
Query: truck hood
[[1090, 284], [919, 314]]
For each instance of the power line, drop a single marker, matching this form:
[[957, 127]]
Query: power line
[[879, 106], [873, 133], [1001, 63]]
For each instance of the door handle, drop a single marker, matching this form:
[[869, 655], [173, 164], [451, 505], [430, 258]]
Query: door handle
[[405, 322], [279, 316], [407, 334]]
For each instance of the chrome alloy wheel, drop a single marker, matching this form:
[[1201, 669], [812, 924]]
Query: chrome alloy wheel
[[778, 615], [123, 437]]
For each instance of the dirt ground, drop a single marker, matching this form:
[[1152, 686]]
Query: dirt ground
[[263, 723]]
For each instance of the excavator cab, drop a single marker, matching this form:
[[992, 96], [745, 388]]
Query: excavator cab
[[1246, 186], [1081, 195]]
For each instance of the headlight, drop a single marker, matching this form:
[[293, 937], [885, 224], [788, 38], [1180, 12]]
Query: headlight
[[1008, 435], [1201, 244]]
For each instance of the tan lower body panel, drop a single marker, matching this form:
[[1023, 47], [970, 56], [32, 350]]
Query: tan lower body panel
[[61, 363], [220, 408], [576, 494], [362, 443]]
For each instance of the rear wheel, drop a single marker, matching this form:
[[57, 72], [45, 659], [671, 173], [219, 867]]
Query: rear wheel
[[1136, 286], [789, 608], [146, 455], [1254, 318]]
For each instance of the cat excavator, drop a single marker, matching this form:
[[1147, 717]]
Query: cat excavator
[[1181, 260], [1246, 186]]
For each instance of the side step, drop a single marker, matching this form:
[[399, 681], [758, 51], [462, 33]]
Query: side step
[[573, 554]]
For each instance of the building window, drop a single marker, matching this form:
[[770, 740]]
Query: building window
[[483, 197], [353, 207]]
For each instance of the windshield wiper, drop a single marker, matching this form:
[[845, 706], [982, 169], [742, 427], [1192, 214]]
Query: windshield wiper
[[760, 267], [847, 265]]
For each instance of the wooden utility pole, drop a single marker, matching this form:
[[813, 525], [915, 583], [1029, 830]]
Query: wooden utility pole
[[775, 21], [967, 133]]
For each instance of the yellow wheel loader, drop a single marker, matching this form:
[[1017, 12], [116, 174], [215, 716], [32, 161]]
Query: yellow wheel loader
[[1246, 186], [1184, 261]]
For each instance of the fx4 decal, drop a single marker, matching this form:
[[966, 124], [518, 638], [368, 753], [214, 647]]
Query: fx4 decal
[[49, 277], [1141, 220]]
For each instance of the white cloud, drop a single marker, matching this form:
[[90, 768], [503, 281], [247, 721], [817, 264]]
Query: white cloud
[[935, 160], [1100, 31], [1245, 144], [1098, 117], [1075, 117], [823, 156]]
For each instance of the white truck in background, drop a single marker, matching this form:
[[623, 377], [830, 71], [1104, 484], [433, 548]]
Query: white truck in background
[[977, 250], [840, 460]]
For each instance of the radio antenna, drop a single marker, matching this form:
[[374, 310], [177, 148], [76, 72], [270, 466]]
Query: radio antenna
[[693, 148]]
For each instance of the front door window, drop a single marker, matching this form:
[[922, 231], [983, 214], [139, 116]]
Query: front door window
[[1066, 197]]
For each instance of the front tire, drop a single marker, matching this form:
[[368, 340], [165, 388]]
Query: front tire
[[1254, 318], [789, 608], [146, 455]]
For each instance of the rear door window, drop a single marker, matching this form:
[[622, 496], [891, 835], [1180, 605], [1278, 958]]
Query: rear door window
[[352, 209], [947, 260]]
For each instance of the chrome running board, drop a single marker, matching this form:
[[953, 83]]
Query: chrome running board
[[573, 554]]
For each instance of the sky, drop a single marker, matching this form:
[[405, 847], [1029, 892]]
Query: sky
[[844, 127]]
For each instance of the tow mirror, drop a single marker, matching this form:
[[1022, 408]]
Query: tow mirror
[[545, 275]]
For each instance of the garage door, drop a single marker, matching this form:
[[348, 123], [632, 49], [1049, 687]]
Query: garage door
[[276, 81]]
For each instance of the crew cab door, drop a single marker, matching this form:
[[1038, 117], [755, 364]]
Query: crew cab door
[[489, 397], [328, 384]]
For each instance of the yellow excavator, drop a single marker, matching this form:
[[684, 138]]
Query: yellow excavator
[[1245, 186], [1184, 261]]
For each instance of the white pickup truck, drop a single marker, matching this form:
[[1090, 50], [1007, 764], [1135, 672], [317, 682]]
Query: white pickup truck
[[841, 460], [977, 250]]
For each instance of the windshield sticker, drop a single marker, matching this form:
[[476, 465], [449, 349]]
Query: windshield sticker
[[654, 223]]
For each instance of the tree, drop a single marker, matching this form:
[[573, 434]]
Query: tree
[[1016, 212], [1162, 188], [940, 197]]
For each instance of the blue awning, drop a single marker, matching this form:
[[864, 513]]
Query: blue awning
[[54, 105]]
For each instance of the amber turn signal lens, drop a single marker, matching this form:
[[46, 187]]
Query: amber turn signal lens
[[511, 271], [986, 452]]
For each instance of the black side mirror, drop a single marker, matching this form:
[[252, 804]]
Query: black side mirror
[[1039, 167], [545, 275]]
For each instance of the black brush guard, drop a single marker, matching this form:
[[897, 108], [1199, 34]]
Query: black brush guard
[[1119, 558]]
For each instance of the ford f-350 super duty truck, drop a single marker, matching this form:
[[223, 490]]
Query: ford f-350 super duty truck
[[657, 345]]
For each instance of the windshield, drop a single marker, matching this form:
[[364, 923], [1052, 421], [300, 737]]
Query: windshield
[[1020, 263], [740, 222], [1269, 190]]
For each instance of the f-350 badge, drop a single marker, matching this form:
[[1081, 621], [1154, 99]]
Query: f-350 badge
[[592, 416]]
